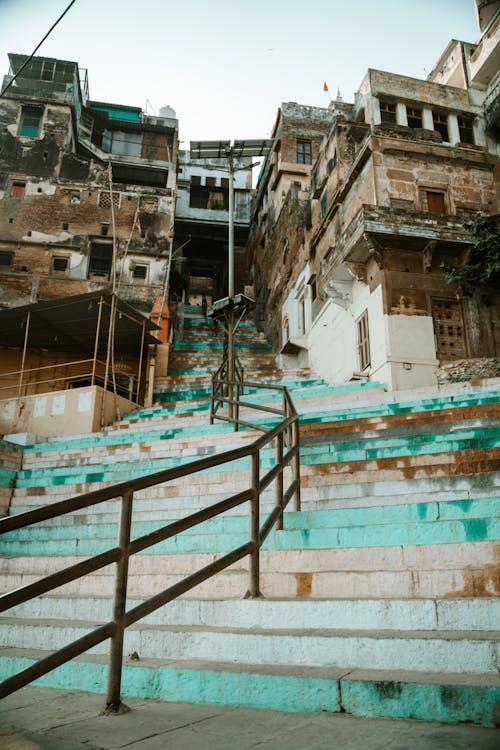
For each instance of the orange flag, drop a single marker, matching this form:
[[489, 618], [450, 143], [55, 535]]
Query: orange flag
[[325, 87]]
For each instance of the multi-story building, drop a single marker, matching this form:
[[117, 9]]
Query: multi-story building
[[201, 224], [87, 189], [281, 210], [358, 289]]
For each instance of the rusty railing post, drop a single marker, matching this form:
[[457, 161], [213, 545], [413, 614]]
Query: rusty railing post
[[296, 461], [113, 700], [279, 479], [212, 400], [237, 408], [254, 583]]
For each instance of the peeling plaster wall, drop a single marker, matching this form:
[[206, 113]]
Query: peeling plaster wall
[[66, 208]]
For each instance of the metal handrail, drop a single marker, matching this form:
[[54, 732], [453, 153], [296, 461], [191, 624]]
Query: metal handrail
[[126, 547]]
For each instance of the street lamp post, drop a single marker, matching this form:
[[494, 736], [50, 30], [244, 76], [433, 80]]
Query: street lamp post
[[230, 151]]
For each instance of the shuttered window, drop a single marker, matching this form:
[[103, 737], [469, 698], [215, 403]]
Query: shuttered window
[[363, 341]]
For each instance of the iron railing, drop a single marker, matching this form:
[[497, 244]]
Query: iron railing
[[222, 388], [287, 430]]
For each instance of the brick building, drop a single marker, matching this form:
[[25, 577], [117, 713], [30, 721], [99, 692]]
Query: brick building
[[87, 189]]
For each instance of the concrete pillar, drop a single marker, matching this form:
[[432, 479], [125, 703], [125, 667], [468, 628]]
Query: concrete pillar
[[427, 121], [479, 131], [374, 110], [401, 116], [454, 132]]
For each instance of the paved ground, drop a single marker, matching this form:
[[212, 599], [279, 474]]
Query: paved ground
[[47, 719]]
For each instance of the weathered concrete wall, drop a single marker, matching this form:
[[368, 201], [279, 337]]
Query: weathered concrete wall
[[68, 412]]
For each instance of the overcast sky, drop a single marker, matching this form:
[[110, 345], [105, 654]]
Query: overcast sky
[[225, 66]]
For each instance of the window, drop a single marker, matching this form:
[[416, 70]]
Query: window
[[210, 181], [414, 116], [75, 199], [224, 183], [100, 261], [6, 258], [195, 179], [48, 70], [18, 189], [104, 229], [105, 199], [304, 152], [363, 341], [210, 198], [140, 274], [314, 289], [388, 112], [60, 265], [31, 118], [448, 329], [441, 125], [324, 205], [465, 129], [435, 202]]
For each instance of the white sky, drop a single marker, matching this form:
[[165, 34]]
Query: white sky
[[226, 65]]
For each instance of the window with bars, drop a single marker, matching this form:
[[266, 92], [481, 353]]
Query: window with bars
[[105, 199], [304, 152], [387, 111], [465, 129], [363, 341], [441, 125], [60, 265], [414, 116], [30, 122]]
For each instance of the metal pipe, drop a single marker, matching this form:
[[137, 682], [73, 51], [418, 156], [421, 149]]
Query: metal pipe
[[254, 573], [140, 363], [113, 701], [96, 345], [296, 462], [28, 318], [279, 479]]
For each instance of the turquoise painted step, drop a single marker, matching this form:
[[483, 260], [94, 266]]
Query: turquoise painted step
[[382, 448], [128, 436], [256, 346], [377, 535], [7, 477], [296, 388], [314, 452], [402, 407], [303, 521], [411, 696]]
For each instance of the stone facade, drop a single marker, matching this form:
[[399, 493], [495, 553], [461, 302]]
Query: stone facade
[[348, 264]]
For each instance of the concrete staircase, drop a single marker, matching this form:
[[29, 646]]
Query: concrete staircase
[[380, 595]]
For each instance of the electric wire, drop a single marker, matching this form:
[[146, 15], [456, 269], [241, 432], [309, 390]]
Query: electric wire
[[36, 49]]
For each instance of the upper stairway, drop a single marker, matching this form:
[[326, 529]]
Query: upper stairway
[[380, 593]]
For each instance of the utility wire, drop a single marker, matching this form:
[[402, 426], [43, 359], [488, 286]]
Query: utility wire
[[37, 48]]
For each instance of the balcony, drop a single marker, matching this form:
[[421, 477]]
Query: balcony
[[484, 61], [397, 227]]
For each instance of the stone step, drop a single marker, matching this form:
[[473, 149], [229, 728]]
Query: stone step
[[433, 523], [410, 572], [270, 614], [447, 697], [454, 651]]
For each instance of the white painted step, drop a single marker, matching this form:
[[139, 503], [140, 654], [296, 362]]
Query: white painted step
[[419, 650], [379, 614]]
